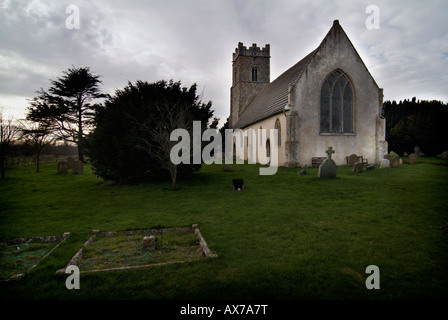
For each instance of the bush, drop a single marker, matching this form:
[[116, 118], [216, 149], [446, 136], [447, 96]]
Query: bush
[[114, 147]]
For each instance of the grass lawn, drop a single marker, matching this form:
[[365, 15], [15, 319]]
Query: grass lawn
[[286, 236]]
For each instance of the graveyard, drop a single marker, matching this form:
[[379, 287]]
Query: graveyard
[[283, 236]]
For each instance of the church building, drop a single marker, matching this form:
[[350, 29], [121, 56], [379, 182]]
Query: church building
[[327, 99]]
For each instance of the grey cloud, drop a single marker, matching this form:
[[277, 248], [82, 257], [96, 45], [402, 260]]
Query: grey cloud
[[193, 41]]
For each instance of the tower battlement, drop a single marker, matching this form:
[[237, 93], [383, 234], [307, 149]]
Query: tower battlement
[[253, 51]]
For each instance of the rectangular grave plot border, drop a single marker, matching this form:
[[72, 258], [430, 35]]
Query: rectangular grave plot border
[[46, 239], [194, 228]]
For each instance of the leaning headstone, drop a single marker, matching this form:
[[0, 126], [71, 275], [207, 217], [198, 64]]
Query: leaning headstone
[[70, 162], [352, 159], [304, 170], [445, 155], [149, 243], [385, 163], [357, 167], [388, 157], [62, 167], [395, 163], [328, 167], [78, 167], [413, 158]]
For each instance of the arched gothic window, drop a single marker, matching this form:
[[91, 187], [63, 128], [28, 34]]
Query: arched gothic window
[[336, 104], [279, 132], [268, 148]]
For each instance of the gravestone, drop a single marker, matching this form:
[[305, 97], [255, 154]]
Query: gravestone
[[445, 155], [385, 163], [357, 167], [417, 151], [78, 167], [62, 167], [388, 157], [227, 167], [352, 159], [149, 243], [413, 158], [370, 168], [328, 167], [395, 163], [70, 162], [304, 170]]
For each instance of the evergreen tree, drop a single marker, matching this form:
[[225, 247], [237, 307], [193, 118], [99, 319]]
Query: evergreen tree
[[411, 123], [132, 126], [67, 105]]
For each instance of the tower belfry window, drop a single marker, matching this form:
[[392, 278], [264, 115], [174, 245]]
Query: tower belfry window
[[254, 74]]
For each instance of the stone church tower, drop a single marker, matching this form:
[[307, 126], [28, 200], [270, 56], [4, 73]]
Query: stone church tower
[[251, 73]]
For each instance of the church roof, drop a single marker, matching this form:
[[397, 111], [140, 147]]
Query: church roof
[[273, 98]]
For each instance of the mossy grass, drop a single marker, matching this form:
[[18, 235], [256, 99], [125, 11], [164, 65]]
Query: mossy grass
[[117, 250], [17, 259]]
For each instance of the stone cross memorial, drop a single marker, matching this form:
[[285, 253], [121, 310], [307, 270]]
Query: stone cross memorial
[[328, 168]]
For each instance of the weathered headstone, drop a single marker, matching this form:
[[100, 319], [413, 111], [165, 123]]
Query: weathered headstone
[[370, 168], [445, 155], [352, 159], [304, 170], [395, 163], [62, 167], [385, 163], [78, 167], [413, 158], [227, 167], [149, 243], [388, 157], [357, 167], [70, 162], [417, 151], [328, 168]]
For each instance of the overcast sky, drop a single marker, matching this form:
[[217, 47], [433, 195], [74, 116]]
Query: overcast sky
[[192, 41]]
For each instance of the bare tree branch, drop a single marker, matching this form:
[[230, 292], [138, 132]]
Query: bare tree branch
[[8, 132], [155, 140]]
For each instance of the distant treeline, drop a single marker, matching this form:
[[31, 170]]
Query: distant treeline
[[411, 123], [25, 148]]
